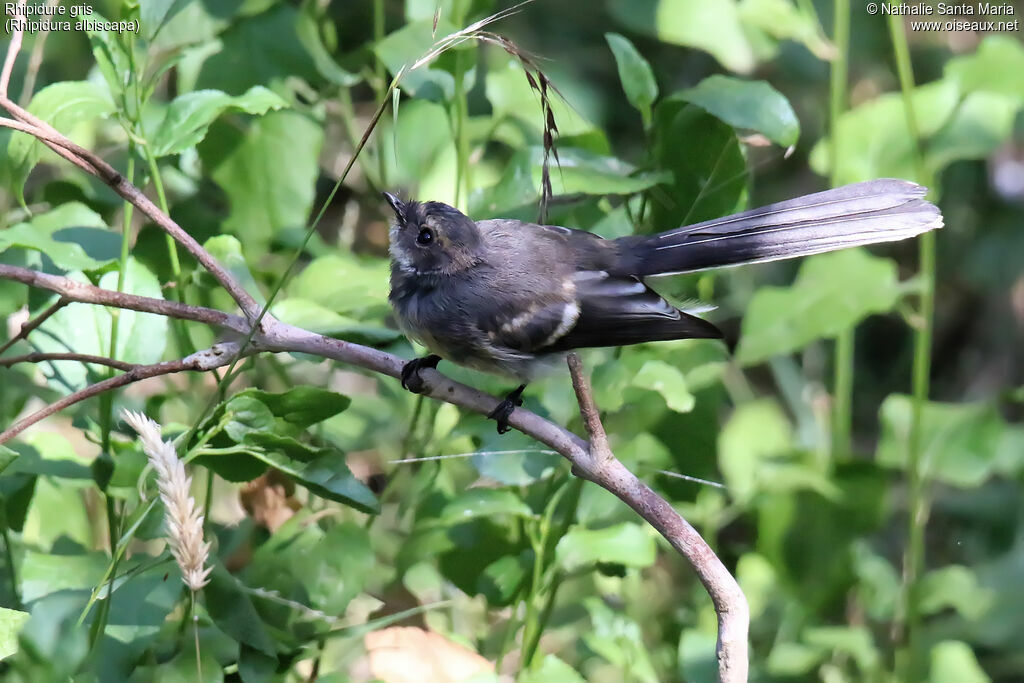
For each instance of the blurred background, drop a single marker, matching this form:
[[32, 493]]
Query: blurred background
[[876, 537]]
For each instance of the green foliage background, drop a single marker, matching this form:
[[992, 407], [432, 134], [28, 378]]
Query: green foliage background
[[240, 116]]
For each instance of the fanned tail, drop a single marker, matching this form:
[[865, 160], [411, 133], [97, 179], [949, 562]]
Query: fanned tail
[[884, 210]]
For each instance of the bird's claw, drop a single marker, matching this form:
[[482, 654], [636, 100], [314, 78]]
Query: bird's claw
[[411, 380], [503, 411]]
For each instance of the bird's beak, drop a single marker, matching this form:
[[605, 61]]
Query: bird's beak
[[397, 205]]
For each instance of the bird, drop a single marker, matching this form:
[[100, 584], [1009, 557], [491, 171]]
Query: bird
[[511, 298]]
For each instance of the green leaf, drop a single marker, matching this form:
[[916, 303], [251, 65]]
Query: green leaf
[[995, 67], [982, 122], [11, 621], [954, 586], [268, 173], [874, 141], [832, 293], [634, 73], [783, 20], [757, 431], [336, 568], [189, 116], [313, 317], [667, 380], [344, 284], [62, 105], [751, 105], [264, 48], [706, 161], [7, 456], [551, 670], [483, 503], [328, 476], [511, 96], [953, 661], [855, 641], [232, 611], [41, 574], [301, 406], [710, 25], [959, 441], [142, 337], [228, 252], [627, 544], [72, 235], [581, 172], [405, 46], [501, 580], [247, 414]]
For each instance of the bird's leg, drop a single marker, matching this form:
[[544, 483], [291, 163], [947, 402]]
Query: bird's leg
[[411, 379], [505, 408]]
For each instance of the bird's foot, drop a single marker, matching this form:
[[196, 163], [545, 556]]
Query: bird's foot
[[505, 408], [411, 379]]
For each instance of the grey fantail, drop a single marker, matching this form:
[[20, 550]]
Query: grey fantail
[[509, 297]]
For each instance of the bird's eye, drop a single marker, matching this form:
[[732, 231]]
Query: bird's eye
[[425, 237]]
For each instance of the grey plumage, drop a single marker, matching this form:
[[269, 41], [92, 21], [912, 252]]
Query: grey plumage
[[506, 296]]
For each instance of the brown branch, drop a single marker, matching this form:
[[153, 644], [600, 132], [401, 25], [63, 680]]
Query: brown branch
[[12, 54], [602, 467], [39, 357], [34, 323], [216, 356], [35, 60], [74, 291]]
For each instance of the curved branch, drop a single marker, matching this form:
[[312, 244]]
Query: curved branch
[[216, 356], [39, 357], [604, 469], [27, 328], [75, 291], [93, 164]]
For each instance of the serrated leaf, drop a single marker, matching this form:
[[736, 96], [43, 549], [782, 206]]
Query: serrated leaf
[[627, 544], [189, 115], [750, 105], [832, 293]]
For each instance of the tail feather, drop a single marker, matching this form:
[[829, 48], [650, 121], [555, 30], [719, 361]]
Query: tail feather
[[864, 213]]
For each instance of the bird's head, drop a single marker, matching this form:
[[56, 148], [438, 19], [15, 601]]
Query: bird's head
[[431, 238]]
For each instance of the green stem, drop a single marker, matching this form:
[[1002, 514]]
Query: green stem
[[380, 86], [11, 570], [842, 413], [461, 106], [918, 503]]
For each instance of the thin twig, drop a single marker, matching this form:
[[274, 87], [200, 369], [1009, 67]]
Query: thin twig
[[75, 291], [86, 160], [80, 357], [207, 359], [12, 54], [34, 323], [35, 60], [602, 467]]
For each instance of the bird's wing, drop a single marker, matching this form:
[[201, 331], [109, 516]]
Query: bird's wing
[[619, 310], [597, 310]]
